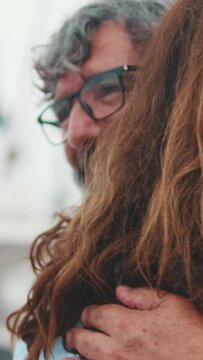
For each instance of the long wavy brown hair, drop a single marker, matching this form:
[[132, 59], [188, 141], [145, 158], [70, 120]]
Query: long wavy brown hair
[[141, 221]]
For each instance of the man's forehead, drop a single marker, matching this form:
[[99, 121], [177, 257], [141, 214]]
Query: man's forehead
[[110, 47]]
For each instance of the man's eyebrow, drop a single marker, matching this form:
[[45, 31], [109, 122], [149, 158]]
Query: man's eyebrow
[[71, 81], [89, 73]]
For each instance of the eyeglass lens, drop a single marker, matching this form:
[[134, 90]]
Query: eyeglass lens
[[100, 97], [103, 97]]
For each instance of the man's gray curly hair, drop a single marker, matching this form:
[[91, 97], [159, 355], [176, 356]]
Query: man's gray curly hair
[[71, 45]]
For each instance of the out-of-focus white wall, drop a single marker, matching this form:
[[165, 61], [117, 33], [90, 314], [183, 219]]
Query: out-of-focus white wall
[[35, 180]]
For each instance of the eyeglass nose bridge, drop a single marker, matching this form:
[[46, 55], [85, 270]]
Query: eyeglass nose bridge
[[86, 108]]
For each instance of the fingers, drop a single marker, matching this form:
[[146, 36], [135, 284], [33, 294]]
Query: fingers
[[93, 345], [140, 298], [111, 319]]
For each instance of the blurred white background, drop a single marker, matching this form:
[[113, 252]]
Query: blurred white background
[[35, 180]]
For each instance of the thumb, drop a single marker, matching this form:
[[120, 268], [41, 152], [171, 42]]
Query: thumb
[[139, 298]]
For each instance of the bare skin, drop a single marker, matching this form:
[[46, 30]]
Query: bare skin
[[148, 327], [111, 47]]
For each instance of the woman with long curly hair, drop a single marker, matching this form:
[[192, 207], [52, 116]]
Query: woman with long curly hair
[[141, 221]]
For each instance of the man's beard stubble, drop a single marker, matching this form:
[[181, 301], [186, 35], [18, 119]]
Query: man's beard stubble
[[83, 160]]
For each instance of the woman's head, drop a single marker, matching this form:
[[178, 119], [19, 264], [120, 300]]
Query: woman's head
[[153, 156], [141, 219]]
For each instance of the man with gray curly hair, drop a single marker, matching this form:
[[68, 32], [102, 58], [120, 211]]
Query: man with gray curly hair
[[87, 70]]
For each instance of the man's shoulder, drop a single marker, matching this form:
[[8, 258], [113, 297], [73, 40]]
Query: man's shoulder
[[20, 350]]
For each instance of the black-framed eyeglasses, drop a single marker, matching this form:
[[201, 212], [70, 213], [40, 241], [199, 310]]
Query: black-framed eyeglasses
[[101, 96]]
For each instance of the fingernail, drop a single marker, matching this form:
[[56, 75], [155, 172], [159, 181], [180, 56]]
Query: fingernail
[[85, 312], [69, 338], [123, 288], [83, 315]]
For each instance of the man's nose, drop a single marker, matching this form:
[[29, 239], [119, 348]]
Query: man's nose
[[81, 127]]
